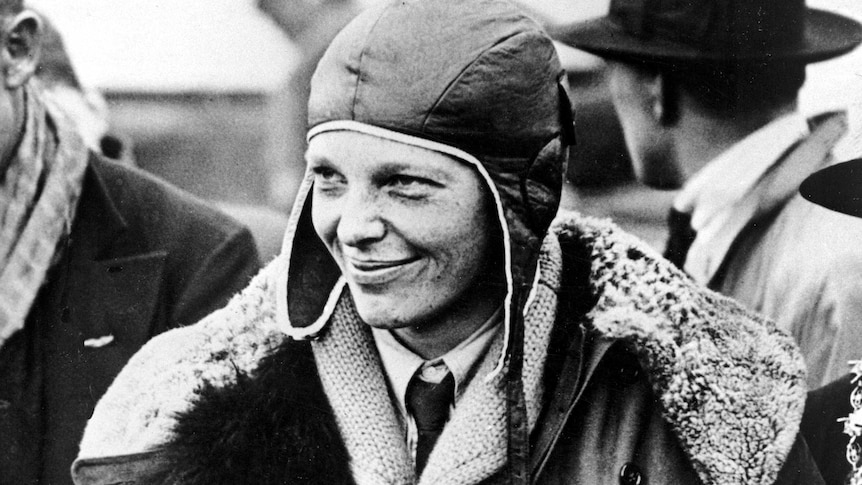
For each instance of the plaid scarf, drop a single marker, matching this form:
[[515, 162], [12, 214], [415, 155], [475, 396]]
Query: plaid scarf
[[38, 196]]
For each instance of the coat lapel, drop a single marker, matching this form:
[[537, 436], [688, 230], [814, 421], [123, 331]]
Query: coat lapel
[[106, 261], [778, 185], [731, 387], [473, 447], [349, 369]]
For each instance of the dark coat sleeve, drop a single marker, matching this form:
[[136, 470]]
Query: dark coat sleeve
[[799, 468], [824, 434], [225, 271], [209, 255]]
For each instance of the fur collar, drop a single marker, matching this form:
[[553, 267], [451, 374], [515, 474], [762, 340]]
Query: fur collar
[[731, 386]]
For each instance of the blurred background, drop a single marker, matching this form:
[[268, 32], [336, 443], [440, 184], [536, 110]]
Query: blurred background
[[210, 94]]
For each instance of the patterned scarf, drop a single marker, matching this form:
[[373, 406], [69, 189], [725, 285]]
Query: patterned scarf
[[38, 196]]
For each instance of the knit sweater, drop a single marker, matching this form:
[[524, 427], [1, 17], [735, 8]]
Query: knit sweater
[[731, 386]]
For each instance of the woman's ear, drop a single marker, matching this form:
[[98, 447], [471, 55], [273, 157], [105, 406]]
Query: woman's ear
[[22, 46]]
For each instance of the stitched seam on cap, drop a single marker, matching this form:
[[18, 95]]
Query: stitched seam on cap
[[362, 56], [467, 67]]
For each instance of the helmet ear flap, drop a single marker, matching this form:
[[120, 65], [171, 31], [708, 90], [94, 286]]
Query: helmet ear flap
[[542, 185], [567, 114]]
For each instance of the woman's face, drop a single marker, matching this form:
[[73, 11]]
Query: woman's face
[[409, 227]]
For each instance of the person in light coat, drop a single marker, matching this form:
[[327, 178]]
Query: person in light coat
[[707, 95]]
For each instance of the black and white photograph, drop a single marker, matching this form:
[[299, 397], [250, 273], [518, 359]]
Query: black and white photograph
[[431, 242]]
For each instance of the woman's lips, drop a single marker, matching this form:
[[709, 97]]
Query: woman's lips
[[378, 272]]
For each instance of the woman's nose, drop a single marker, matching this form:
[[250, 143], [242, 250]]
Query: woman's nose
[[361, 221]]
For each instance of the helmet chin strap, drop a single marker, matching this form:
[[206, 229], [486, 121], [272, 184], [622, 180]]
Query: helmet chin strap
[[518, 452]]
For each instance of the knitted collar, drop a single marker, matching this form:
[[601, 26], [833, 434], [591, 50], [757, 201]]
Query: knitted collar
[[730, 385], [473, 445], [38, 196]]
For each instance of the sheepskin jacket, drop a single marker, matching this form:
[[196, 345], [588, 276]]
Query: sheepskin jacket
[[632, 374]]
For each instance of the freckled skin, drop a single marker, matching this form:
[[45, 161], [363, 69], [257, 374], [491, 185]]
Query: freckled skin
[[411, 230]]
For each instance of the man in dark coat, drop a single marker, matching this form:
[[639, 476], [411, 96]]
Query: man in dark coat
[[95, 258]]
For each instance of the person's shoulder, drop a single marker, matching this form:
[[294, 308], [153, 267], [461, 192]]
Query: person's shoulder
[[145, 200], [823, 243], [158, 217], [162, 379], [724, 375], [824, 432], [626, 273]]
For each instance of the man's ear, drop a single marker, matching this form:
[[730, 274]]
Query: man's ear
[[22, 46]]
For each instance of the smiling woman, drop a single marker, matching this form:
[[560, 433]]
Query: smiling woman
[[428, 321], [410, 229]]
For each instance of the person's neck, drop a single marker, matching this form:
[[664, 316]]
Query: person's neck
[[699, 138], [434, 338]]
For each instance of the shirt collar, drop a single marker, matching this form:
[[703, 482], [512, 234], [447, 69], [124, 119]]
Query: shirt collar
[[724, 181], [731, 190], [400, 363]]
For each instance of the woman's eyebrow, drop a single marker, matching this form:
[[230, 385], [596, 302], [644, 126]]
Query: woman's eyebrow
[[396, 168], [392, 168], [317, 159]]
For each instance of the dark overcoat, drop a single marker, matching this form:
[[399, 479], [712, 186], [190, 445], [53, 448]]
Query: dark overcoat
[[825, 433], [143, 257]]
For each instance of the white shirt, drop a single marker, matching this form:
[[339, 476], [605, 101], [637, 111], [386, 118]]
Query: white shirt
[[400, 364], [714, 193]]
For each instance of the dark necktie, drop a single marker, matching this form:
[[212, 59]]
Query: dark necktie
[[681, 237], [429, 405]]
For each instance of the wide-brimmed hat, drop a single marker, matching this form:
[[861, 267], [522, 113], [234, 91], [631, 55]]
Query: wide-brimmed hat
[[838, 187], [714, 31]]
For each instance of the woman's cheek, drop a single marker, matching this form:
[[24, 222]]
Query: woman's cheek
[[324, 218]]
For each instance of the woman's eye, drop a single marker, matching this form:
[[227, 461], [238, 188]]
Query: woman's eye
[[324, 173], [327, 179], [404, 181], [411, 187]]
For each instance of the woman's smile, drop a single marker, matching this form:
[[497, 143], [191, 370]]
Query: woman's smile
[[375, 272]]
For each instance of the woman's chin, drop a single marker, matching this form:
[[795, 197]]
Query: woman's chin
[[382, 318], [395, 317], [387, 309]]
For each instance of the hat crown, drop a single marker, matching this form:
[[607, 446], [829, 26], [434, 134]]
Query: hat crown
[[478, 75], [751, 26]]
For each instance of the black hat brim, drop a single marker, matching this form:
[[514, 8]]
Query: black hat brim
[[827, 35], [838, 188]]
